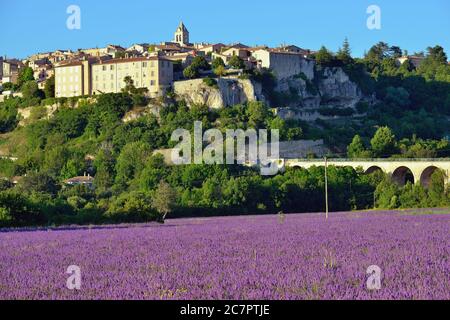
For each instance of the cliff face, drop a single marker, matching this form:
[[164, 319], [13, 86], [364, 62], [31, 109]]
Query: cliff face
[[302, 95], [330, 88], [228, 92], [335, 84]]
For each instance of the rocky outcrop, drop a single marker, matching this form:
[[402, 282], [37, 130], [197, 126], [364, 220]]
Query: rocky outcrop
[[44, 112], [301, 96], [330, 88], [336, 85], [227, 92]]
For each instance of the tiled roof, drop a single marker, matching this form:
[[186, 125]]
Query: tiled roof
[[80, 179], [134, 59], [168, 47], [78, 62]]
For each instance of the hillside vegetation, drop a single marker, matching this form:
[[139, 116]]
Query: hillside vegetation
[[408, 119]]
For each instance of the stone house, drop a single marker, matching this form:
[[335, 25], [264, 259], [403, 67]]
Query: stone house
[[10, 70], [284, 64]]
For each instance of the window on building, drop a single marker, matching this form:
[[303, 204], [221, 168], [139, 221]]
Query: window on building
[[144, 64], [104, 68], [112, 67]]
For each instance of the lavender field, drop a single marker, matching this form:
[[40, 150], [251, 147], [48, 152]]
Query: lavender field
[[254, 257]]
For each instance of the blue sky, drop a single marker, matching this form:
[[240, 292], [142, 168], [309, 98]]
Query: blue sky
[[37, 26]]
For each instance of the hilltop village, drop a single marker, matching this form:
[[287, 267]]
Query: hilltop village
[[153, 66], [162, 67]]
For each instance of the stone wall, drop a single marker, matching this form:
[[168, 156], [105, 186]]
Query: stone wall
[[287, 150], [228, 92], [287, 65]]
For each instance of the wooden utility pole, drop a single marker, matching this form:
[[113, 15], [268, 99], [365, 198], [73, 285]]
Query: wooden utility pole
[[326, 189]]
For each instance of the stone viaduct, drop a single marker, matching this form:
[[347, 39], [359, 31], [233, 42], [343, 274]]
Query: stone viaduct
[[401, 170]]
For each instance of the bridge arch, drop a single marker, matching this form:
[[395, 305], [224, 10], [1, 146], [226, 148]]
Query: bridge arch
[[373, 169], [402, 175], [425, 177]]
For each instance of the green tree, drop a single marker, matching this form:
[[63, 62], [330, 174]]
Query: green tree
[[257, 114], [324, 57], [129, 85], [397, 96], [164, 200], [30, 90], [344, 53], [217, 62], [356, 148], [200, 63], [436, 190], [383, 142], [236, 63], [220, 71], [437, 54], [386, 194], [133, 206], [8, 116], [104, 165], [73, 167], [39, 182], [131, 161], [191, 72], [155, 170], [49, 88], [8, 86], [17, 211], [55, 159], [25, 75]]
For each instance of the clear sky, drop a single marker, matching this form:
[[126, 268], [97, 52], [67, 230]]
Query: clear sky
[[30, 26]]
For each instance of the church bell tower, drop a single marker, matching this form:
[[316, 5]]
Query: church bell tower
[[182, 35]]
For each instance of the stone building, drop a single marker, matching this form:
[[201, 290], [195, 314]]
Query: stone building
[[73, 79], [154, 73], [97, 76], [415, 60], [284, 64], [10, 70], [182, 35], [210, 48]]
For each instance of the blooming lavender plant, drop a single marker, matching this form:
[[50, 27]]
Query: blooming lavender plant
[[252, 257]]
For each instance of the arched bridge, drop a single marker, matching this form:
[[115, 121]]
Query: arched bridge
[[401, 170]]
